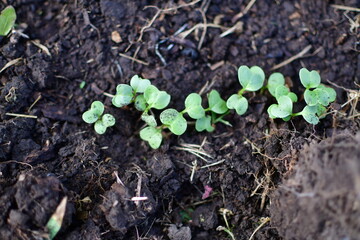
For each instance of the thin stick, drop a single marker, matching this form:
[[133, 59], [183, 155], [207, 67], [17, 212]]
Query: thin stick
[[22, 163], [9, 64], [20, 115], [200, 25], [241, 14], [202, 38], [293, 58], [32, 105], [134, 59], [346, 8], [158, 12], [263, 222], [213, 164]]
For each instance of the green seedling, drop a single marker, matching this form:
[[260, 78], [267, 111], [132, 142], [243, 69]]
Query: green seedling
[[147, 97], [315, 93], [7, 20], [126, 94], [251, 80], [152, 135], [95, 115], [316, 96], [217, 109], [155, 98]]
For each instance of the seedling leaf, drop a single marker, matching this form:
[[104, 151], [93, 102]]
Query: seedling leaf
[[283, 109], [269, 111], [90, 117], [139, 84], [7, 20], [140, 103], [174, 120], [193, 106], [309, 114], [99, 127], [108, 120], [292, 96], [97, 107], [311, 97], [251, 79], [275, 80], [204, 123], [237, 102], [124, 95], [149, 119], [309, 79], [155, 98], [152, 135], [216, 103], [55, 221]]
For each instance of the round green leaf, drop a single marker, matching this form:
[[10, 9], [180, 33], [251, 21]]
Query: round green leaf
[[204, 123], [124, 95], [274, 81], [239, 103], [140, 103], [90, 117], [216, 103], [152, 135], [99, 127], [269, 111], [331, 93], [108, 120], [320, 111], [322, 96], [174, 120], [7, 20], [292, 96], [283, 109], [139, 84], [97, 108], [155, 98], [251, 79], [149, 119], [281, 90], [193, 106], [311, 97], [309, 79], [309, 114]]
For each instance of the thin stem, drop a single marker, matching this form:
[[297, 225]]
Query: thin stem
[[296, 114], [241, 91]]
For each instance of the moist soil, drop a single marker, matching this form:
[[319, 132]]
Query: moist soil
[[248, 166]]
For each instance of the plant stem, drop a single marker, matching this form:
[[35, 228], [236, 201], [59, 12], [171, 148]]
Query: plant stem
[[241, 91]]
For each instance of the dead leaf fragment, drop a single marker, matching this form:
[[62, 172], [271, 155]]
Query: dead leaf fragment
[[115, 36]]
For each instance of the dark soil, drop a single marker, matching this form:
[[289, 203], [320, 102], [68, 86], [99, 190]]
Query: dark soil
[[57, 154]]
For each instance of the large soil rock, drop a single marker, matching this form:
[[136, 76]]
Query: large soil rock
[[321, 200]]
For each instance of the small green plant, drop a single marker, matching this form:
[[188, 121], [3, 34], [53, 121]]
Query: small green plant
[[7, 20], [95, 115], [317, 97], [251, 80], [146, 97]]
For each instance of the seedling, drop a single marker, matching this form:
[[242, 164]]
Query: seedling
[[251, 79], [7, 20], [95, 115], [146, 97], [316, 96]]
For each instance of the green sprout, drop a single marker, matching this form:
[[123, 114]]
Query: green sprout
[[7, 20], [251, 80], [95, 115], [316, 96], [146, 97], [152, 135]]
